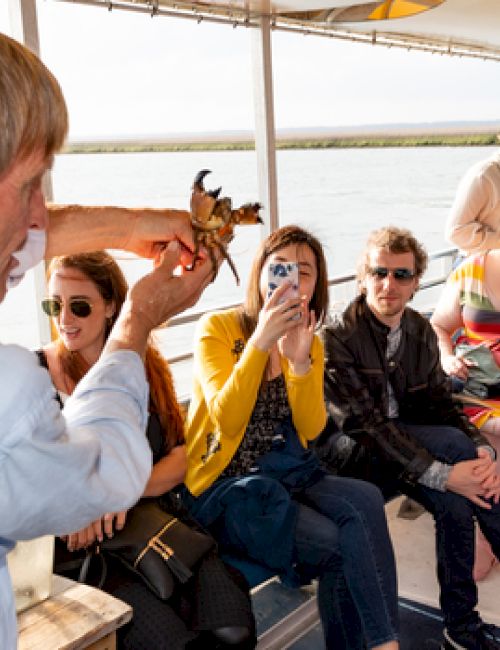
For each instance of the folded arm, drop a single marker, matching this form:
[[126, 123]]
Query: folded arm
[[446, 320]]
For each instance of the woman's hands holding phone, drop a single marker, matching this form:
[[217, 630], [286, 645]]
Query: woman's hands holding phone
[[295, 345], [276, 318]]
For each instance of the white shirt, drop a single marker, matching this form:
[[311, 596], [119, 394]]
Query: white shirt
[[61, 470]]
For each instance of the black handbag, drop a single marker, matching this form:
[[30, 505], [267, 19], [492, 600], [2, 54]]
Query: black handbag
[[157, 546]]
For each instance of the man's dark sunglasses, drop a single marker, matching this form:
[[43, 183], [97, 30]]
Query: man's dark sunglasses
[[79, 307], [401, 275]]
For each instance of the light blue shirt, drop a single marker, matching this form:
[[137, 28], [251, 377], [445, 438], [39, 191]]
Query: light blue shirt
[[61, 470]]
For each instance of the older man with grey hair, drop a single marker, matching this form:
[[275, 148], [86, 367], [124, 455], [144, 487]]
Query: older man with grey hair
[[59, 471]]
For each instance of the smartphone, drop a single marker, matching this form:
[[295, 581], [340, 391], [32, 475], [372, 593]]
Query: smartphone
[[280, 273]]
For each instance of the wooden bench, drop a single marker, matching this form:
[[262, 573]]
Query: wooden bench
[[74, 616]]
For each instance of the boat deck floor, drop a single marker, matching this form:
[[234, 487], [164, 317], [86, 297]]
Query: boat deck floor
[[415, 556], [413, 541]]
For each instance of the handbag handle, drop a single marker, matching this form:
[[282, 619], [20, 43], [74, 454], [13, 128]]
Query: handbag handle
[[84, 570]]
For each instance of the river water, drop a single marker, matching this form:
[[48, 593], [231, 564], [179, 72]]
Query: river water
[[338, 194]]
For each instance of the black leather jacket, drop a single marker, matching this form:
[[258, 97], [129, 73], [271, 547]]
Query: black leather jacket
[[356, 378]]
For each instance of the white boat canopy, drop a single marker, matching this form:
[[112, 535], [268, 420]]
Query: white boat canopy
[[459, 27]]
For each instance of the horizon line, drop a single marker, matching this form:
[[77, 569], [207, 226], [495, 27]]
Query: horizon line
[[462, 127]]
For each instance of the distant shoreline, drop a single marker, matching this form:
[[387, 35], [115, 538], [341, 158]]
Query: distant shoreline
[[448, 140]]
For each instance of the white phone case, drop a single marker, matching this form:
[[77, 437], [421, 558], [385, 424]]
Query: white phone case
[[282, 272]]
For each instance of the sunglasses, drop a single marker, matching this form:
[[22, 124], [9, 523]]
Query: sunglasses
[[79, 307], [402, 275]]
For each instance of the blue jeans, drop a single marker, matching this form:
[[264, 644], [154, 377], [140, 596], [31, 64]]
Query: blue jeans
[[341, 536], [291, 512], [454, 516]]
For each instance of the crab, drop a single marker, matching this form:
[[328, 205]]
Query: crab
[[213, 221]]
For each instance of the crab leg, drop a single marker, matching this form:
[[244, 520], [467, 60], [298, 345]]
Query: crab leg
[[227, 257], [213, 261]]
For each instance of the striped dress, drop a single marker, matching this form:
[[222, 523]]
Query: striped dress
[[481, 321]]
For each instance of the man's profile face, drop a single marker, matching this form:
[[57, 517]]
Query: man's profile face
[[387, 296], [22, 206]]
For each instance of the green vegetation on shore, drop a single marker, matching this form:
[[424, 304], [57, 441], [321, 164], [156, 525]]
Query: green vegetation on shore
[[483, 139]]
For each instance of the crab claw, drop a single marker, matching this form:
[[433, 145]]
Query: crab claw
[[214, 193], [202, 203], [198, 180], [247, 214]]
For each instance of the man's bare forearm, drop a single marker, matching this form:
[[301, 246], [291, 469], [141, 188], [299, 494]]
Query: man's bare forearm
[[80, 229], [130, 332]]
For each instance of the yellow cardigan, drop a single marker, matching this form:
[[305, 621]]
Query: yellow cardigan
[[227, 378]]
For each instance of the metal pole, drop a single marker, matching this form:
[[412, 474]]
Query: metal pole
[[24, 23], [24, 28], [265, 137]]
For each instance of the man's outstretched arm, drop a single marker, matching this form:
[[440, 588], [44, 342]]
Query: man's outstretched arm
[[143, 231]]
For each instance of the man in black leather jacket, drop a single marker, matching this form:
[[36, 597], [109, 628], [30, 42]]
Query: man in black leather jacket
[[398, 426]]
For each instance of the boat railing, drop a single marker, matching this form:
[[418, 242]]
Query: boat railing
[[343, 289]]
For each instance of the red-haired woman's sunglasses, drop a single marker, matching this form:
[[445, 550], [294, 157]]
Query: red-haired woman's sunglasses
[[79, 307]]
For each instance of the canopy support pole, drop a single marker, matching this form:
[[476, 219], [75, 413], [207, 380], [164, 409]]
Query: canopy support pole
[[265, 137], [24, 23], [24, 28]]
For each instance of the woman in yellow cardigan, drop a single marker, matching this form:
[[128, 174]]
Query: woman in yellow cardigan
[[251, 479]]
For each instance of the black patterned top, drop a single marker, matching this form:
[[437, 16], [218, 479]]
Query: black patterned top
[[270, 409]]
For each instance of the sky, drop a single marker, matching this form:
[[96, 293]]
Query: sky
[[127, 74]]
